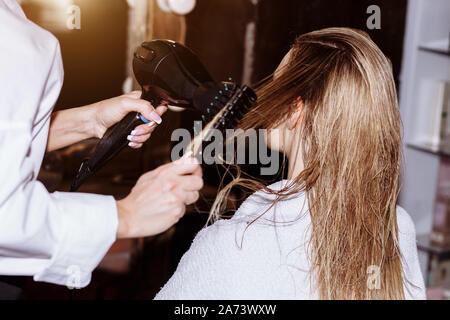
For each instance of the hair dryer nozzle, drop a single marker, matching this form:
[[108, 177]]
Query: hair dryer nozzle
[[168, 71]]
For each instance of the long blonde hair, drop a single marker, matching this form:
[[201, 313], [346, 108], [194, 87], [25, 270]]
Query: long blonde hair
[[351, 148]]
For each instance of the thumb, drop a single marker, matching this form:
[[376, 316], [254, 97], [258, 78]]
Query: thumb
[[146, 109]]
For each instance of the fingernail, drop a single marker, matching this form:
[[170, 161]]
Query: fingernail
[[132, 144], [187, 154], [137, 132], [155, 117], [132, 138], [188, 158], [151, 124]]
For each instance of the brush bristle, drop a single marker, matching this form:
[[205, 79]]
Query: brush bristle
[[234, 110], [238, 106], [210, 98]]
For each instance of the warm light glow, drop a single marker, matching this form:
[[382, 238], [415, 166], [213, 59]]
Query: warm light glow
[[50, 14], [181, 7]]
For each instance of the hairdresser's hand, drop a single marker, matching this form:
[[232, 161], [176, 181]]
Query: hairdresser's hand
[[159, 199], [111, 111]]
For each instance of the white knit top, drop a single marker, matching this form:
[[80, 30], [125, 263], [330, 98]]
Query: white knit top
[[268, 260]]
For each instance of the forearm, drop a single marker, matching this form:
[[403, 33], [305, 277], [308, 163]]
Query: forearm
[[74, 125], [71, 126]]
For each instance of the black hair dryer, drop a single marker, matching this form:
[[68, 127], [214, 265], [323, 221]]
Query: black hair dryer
[[167, 72]]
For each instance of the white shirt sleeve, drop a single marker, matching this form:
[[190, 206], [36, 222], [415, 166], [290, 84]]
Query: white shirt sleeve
[[60, 237]]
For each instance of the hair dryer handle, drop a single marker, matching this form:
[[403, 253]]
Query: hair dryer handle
[[154, 99], [114, 140]]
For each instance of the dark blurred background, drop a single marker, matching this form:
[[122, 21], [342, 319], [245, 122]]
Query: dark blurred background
[[94, 57], [96, 66]]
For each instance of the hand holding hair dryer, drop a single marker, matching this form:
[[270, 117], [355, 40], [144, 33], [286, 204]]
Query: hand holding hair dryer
[[168, 72]]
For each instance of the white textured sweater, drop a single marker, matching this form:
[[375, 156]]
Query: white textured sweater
[[269, 260]]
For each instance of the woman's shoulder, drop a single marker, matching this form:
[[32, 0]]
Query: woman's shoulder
[[263, 208], [256, 221], [215, 233], [414, 282], [405, 223], [35, 38], [253, 223]]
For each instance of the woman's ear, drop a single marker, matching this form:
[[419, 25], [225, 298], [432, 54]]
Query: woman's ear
[[297, 109]]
